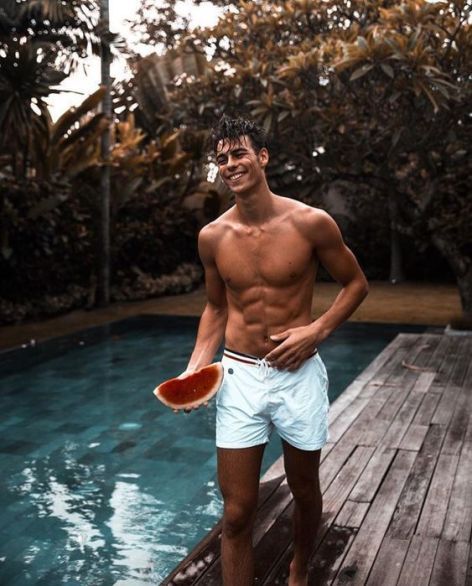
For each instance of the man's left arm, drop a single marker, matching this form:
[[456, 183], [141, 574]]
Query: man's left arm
[[297, 344]]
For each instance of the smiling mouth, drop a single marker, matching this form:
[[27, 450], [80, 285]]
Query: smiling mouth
[[235, 176]]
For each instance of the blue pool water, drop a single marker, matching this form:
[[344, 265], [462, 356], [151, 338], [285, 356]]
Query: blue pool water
[[101, 484]]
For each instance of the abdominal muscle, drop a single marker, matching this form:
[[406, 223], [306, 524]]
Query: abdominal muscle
[[254, 316]]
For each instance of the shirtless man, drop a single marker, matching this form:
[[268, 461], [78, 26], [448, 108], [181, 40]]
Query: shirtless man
[[260, 259]]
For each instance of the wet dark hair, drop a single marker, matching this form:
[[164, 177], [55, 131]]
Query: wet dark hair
[[233, 129]]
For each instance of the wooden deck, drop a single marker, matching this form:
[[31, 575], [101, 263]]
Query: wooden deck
[[396, 480]]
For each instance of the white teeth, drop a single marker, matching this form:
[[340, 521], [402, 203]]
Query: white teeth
[[237, 176]]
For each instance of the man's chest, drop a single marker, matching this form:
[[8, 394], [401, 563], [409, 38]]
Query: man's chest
[[272, 259]]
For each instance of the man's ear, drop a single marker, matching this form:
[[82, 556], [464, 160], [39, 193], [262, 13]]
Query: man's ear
[[263, 157]]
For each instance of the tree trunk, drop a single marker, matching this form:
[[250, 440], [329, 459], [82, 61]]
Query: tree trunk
[[396, 257], [103, 285], [464, 283], [461, 267]]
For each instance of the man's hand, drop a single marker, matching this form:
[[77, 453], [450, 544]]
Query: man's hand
[[295, 346]]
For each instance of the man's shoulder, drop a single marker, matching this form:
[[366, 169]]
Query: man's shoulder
[[217, 227], [303, 214]]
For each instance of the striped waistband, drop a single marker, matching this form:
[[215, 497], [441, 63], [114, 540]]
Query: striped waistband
[[248, 358]]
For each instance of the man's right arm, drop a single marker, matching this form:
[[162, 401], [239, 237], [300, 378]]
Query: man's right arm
[[212, 325]]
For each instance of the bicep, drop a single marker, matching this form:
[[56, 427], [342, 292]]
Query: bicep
[[333, 253]]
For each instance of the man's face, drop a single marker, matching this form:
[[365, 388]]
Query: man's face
[[240, 167]]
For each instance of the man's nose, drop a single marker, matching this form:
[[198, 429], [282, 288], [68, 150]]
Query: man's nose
[[231, 162]]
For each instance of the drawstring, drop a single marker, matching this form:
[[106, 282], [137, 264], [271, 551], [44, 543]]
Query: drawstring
[[263, 367]]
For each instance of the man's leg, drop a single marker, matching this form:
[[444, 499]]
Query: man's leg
[[301, 468], [238, 477]]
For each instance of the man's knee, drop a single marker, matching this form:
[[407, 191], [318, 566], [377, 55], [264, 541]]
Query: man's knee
[[306, 492], [238, 518]]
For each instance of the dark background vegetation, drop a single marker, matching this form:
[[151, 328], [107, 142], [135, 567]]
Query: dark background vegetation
[[365, 103]]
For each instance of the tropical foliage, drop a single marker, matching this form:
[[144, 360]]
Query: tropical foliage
[[369, 100], [371, 94], [50, 177]]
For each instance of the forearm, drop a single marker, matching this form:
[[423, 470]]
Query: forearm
[[210, 334], [347, 301]]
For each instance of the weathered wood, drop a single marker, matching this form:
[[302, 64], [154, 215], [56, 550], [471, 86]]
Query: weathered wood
[[458, 524], [424, 382], [339, 489], [330, 555], [361, 555], [427, 408], [456, 372], [404, 416], [395, 478], [419, 561], [333, 463], [372, 476], [352, 514], [458, 425], [434, 511], [450, 564], [355, 388], [389, 562], [411, 500], [446, 366], [414, 437]]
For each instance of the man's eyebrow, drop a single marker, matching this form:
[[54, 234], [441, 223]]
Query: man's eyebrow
[[237, 149]]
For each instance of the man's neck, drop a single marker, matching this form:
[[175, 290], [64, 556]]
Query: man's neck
[[256, 207]]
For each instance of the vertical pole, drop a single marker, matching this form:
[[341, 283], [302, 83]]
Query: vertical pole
[[104, 257]]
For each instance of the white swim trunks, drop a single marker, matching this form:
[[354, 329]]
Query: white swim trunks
[[255, 398]]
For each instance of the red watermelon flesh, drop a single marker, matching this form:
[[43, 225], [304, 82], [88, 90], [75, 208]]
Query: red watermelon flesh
[[193, 389]]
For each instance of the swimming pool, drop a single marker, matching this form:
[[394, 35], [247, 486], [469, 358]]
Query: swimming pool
[[102, 485]]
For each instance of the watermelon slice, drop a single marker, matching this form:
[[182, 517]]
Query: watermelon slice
[[193, 389]]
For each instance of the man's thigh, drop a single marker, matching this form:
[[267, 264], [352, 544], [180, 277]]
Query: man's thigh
[[238, 473], [301, 468]]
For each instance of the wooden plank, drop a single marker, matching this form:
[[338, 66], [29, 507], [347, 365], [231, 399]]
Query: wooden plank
[[434, 511], [458, 425], [361, 555], [272, 546], [268, 513], [330, 555], [447, 364], [456, 372], [468, 579], [404, 416], [352, 514], [333, 463], [414, 437], [424, 382], [355, 388], [450, 564], [379, 363], [344, 421], [463, 361], [411, 500], [339, 489], [427, 408], [389, 562], [370, 479], [458, 524], [419, 561]]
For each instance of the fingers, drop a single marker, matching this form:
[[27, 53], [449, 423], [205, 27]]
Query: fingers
[[190, 409]]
